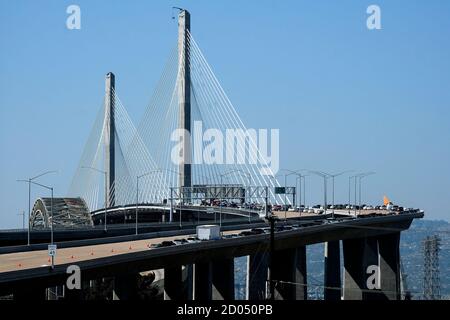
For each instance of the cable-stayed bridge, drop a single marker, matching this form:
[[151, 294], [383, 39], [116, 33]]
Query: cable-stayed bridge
[[188, 100], [144, 167]]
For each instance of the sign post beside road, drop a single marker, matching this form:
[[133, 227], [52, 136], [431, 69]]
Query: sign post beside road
[[52, 253]]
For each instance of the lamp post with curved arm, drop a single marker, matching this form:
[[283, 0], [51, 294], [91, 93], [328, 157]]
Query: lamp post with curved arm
[[29, 181], [137, 193], [325, 177], [349, 190], [51, 204], [171, 194], [299, 179], [360, 177], [291, 172], [332, 177]]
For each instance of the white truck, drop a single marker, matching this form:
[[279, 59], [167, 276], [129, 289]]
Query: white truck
[[208, 232]]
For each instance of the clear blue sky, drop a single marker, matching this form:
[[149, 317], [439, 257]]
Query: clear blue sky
[[343, 96]]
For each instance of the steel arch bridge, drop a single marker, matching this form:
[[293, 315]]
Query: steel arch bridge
[[67, 213]]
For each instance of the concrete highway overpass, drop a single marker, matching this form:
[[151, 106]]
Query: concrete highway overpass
[[365, 241]]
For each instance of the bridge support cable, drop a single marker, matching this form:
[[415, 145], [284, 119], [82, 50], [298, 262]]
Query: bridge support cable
[[218, 102], [213, 105], [149, 147], [86, 183]]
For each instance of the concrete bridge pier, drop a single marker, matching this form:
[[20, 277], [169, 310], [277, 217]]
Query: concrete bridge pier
[[178, 283], [354, 275], [257, 275], [126, 287], [203, 281], [332, 267], [382, 255], [223, 279], [370, 261], [301, 292], [290, 274], [173, 283], [389, 263]]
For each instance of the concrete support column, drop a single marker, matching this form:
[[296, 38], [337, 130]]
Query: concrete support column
[[178, 283], [110, 84], [257, 275], [188, 279], [354, 279], [126, 287], [284, 271], [332, 276], [369, 264], [290, 272], [223, 279], [301, 292], [202, 281], [173, 283], [389, 262], [184, 96]]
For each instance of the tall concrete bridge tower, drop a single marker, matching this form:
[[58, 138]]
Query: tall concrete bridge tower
[[110, 129], [184, 95]]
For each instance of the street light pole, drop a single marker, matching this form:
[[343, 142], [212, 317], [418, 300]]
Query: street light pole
[[51, 204], [137, 202], [106, 201], [29, 211], [361, 176], [304, 191], [291, 172], [29, 181], [325, 177], [298, 181], [355, 193], [349, 192], [333, 176], [51, 211]]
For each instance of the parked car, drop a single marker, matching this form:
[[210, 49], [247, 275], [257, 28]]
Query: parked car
[[166, 243], [257, 230], [276, 207], [180, 241], [230, 236], [192, 240], [247, 233]]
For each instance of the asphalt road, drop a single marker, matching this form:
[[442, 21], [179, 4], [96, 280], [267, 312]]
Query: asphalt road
[[40, 258]]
